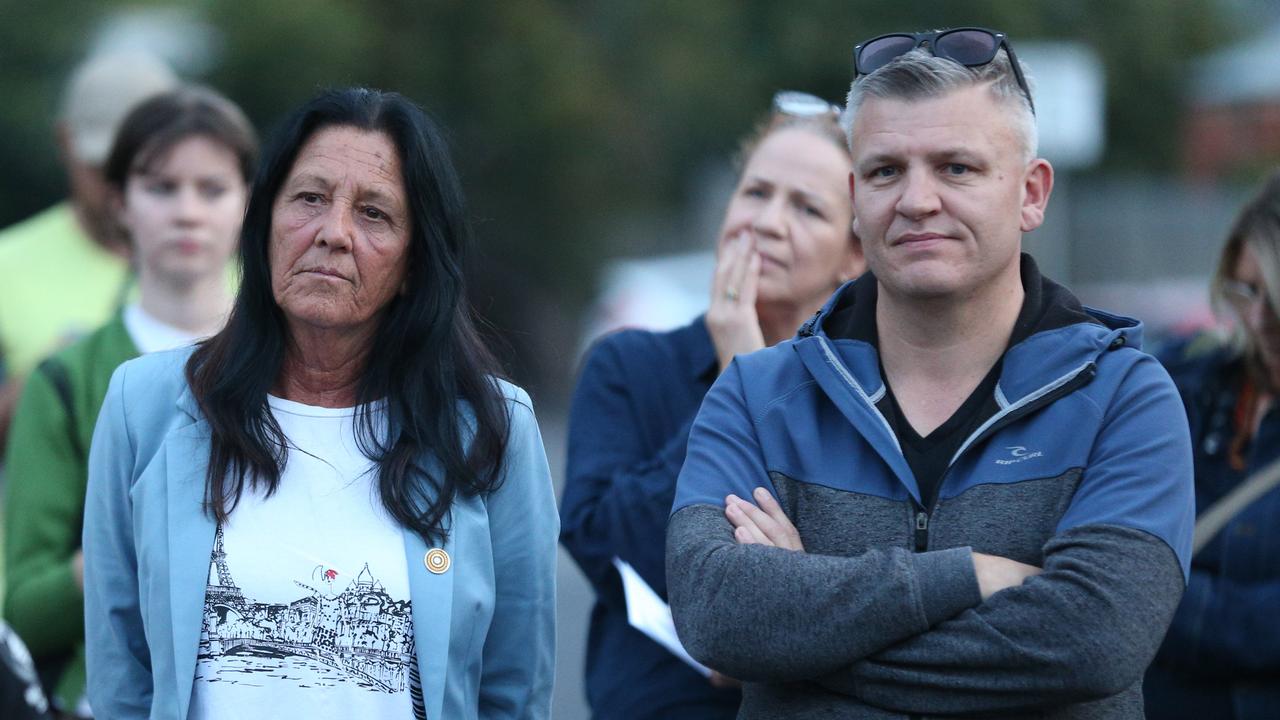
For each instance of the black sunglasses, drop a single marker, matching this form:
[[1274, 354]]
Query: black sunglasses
[[968, 46]]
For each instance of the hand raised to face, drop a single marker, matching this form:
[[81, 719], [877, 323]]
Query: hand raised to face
[[731, 316]]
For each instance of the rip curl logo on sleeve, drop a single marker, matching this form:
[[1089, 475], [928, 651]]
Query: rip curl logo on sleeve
[[1017, 454]]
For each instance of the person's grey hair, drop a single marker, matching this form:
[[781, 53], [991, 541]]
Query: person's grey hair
[[920, 74], [1258, 228]]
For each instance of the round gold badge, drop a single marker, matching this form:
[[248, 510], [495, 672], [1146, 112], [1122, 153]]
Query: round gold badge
[[437, 561]]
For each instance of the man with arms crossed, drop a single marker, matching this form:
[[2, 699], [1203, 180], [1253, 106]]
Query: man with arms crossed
[[956, 491]]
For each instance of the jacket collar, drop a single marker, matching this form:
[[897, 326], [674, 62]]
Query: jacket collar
[[187, 403], [1055, 334]]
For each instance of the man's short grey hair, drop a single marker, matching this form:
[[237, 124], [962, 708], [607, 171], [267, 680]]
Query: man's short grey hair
[[920, 74]]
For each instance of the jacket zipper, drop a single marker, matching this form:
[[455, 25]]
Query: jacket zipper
[[920, 529], [1077, 381]]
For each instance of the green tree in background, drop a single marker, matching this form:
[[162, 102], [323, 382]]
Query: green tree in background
[[574, 121]]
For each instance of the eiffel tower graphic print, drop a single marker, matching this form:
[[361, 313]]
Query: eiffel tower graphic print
[[327, 637]]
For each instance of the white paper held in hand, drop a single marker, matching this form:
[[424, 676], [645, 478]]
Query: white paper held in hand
[[647, 613]]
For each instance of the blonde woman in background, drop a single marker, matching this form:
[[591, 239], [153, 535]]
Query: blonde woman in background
[[785, 245]]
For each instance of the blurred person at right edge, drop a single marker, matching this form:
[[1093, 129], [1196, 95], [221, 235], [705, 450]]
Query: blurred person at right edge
[[179, 174], [65, 270], [1221, 657], [785, 245]]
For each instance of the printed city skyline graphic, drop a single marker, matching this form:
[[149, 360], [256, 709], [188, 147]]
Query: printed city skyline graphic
[[358, 635]]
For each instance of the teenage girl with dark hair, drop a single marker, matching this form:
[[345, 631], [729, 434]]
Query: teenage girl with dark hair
[[179, 174]]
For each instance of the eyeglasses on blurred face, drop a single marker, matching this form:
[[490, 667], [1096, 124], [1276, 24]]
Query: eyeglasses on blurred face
[[968, 46], [1244, 296]]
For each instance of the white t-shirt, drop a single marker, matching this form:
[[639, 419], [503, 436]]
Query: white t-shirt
[[151, 335], [307, 611]]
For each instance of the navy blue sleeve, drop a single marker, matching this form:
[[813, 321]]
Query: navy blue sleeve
[[618, 490], [1225, 628]]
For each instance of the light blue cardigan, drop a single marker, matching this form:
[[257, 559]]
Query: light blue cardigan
[[484, 628]]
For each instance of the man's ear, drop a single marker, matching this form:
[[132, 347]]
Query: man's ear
[[854, 225], [855, 262], [1037, 186]]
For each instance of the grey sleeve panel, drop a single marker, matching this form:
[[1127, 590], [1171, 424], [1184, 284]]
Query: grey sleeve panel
[[1084, 629], [948, 582], [767, 614]]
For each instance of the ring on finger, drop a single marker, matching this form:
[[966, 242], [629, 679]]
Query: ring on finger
[[731, 295]]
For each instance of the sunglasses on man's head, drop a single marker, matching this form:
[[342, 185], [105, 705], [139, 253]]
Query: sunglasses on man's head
[[969, 46]]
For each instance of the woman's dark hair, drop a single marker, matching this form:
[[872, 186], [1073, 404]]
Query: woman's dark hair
[[446, 417], [154, 127]]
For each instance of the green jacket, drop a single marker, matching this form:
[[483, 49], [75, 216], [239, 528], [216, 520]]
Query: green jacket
[[46, 471]]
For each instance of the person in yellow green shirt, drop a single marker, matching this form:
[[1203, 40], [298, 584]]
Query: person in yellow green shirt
[[65, 270]]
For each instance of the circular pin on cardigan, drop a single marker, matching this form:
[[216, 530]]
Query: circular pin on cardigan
[[437, 561]]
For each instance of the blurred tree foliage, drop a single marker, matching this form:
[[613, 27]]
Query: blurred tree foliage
[[573, 120]]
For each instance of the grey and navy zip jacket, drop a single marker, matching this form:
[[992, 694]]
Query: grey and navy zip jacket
[[1084, 470]]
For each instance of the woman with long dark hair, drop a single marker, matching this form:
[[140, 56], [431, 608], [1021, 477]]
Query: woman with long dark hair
[[333, 508], [179, 175]]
